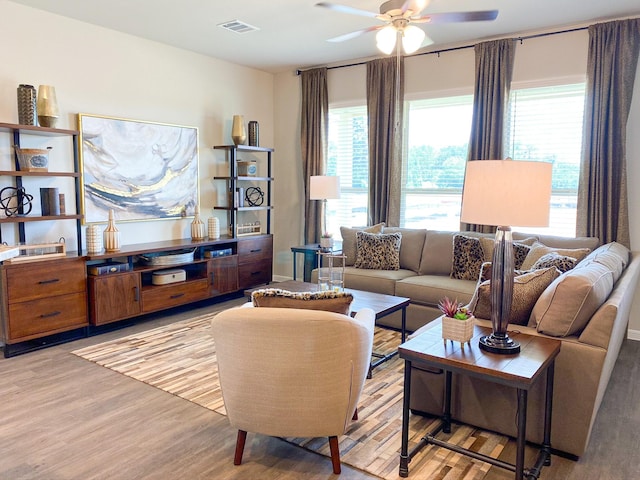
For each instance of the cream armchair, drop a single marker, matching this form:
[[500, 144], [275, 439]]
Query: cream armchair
[[288, 372]]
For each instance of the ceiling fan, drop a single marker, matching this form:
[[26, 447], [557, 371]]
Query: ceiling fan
[[398, 16]]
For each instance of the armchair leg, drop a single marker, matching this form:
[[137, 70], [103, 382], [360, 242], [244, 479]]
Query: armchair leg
[[335, 454], [242, 437], [355, 415]]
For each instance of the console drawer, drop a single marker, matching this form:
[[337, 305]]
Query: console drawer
[[255, 249], [256, 273], [46, 279], [47, 316], [159, 297]]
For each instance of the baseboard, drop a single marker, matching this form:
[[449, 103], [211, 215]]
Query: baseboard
[[280, 278], [633, 334]]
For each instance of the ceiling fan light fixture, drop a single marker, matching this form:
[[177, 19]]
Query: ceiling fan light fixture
[[386, 39], [412, 38]]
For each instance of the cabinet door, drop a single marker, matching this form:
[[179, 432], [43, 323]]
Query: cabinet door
[[223, 274], [114, 297]]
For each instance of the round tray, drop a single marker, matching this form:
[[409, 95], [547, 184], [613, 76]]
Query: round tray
[[168, 258]]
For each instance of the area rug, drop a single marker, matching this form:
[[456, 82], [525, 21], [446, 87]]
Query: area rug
[[180, 359]]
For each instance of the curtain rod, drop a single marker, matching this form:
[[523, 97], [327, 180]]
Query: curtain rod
[[463, 47]]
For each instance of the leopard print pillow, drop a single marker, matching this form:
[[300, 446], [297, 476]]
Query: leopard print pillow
[[378, 251], [467, 257], [563, 263]]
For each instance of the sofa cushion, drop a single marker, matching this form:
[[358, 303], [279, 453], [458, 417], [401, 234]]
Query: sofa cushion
[[553, 259], [527, 288], [567, 305], [521, 249], [467, 257], [349, 240], [411, 246], [378, 251], [429, 289], [377, 281], [338, 302], [538, 250], [437, 255], [614, 256]]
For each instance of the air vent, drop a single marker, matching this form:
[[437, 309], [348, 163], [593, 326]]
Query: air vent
[[238, 27]]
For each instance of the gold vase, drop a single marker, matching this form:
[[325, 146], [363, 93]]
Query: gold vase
[[238, 131], [47, 106], [197, 226], [111, 235]]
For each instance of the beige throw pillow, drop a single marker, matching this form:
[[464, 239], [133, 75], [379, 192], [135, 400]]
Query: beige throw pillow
[[538, 250], [338, 302], [527, 288], [349, 240], [378, 252]]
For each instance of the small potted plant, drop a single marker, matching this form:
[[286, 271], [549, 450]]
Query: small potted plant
[[457, 323], [326, 242]]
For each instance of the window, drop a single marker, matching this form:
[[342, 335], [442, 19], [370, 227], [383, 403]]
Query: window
[[437, 144], [348, 157], [545, 124]]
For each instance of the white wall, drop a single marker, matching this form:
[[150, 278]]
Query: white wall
[[537, 60], [103, 72]]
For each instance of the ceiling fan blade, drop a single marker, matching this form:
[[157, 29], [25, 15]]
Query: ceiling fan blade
[[452, 17], [357, 33], [416, 6], [347, 9]]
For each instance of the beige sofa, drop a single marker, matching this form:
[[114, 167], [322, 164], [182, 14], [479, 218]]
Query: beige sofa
[[591, 339]]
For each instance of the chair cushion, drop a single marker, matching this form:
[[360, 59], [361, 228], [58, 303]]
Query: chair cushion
[[338, 302], [378, 251], [527, 288], [349, 240]]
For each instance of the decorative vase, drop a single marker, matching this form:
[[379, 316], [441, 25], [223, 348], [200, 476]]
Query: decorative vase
[[457, 330], [326, 244], [27, 105], [238, 132], [197, 226], [111, 235], [214, 228], [254, 133], [94, 240], [48, 112]]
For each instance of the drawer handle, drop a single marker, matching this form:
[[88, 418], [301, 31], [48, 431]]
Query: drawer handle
[[256, 273], [49, 315], [177, 295], [136, 294], [256, 250], [44, 282]]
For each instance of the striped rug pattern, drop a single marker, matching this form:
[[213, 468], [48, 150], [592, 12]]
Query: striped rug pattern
[[180, 359]]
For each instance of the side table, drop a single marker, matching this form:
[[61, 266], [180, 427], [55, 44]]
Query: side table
[[520, 371], [310, 252]]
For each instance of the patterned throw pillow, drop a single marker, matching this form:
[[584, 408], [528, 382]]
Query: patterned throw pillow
[[527, 288], [467, 257], [378, 252], [553, 259], [538, 250], [338, 302], [348, 235]]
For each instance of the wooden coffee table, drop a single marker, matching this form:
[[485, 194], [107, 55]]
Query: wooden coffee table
[[520, 371], [381, 304]]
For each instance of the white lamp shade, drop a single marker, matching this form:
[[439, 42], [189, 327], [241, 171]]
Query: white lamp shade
[[324, 187], [412, 38], [506, 193], [386, 39]]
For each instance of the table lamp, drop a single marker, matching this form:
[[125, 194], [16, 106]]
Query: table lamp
[[503, 193], [324, 187]]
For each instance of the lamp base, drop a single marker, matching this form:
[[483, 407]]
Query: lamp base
[[500, 344]]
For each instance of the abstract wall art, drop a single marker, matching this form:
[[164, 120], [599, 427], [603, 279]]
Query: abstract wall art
[[141, 170]]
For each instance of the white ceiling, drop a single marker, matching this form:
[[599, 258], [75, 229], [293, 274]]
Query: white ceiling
[[293, 33]]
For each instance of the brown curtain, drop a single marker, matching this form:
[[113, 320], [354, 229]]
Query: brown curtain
[[494, 69], [385, 94], [611, 69], [314, 130]]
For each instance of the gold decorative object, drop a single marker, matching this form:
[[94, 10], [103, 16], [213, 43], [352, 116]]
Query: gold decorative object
[[238, 131], [197, 226], [47, 106], [111, 235]]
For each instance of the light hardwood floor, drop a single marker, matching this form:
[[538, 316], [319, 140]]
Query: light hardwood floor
[[62, 417]]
